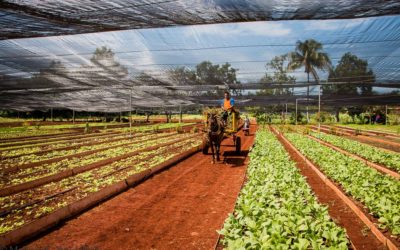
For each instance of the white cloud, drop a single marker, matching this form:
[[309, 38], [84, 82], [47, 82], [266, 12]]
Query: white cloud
[[333, 24], [269, 29]]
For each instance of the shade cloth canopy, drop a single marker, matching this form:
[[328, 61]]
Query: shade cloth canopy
[[101, 71]]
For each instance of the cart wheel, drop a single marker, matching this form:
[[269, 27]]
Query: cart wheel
[[238, 144], [205, 147]]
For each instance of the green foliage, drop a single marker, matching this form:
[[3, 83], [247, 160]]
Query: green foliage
[[37, 125], [206, 73], [179, 129], [308, 54], [374, 154], [345, 118], [350, 69], [301, 119], [378, 192], [280, 76], [156, 128], [394, 119], [87, 128], [182, 76], [89, 181], [276, 209], [325, 117]]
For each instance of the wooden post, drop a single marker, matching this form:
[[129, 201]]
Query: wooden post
[[180, 114], [386, 113]]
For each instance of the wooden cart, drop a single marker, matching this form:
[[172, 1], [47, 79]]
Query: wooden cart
[[231, 129]]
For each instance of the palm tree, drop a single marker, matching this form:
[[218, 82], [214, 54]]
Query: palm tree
[[308, 54]]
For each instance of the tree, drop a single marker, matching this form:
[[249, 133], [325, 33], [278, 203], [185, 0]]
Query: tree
[[182, 76], [104, 69], [280, 76], [104, 56], [350, 69], [308, 54], [209, 74]]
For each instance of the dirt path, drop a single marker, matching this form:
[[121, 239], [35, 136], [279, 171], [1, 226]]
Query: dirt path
[[178, 209]]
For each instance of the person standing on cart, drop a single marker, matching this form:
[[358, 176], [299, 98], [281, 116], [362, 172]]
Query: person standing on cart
[[228, 106]]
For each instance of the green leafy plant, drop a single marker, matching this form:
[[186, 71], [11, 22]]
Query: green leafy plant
[[378, 192], [87, 128], [276, 209], [374, 154]]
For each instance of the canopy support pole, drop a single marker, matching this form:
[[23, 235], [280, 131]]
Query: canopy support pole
[[180, 114], [295, 119], [319, 111], [307, 113], [386, 113], [286, 108], [73, 116], [130, 113]]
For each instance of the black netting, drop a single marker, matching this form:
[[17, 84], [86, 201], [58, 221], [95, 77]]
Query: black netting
[[157, 67], [30, 18]]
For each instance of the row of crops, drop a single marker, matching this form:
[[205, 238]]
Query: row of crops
[[277, 208], [374, 154], [7, 133], [80, 164], [378, 192]]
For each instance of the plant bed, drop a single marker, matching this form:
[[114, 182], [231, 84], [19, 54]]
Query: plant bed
[[380, 130], [378, 193], [276, 208], [374, 136], [364, 139], [77, 136], [29, 172], [45, 144], [135, 129], [82, 186], [92, 146], [387, 159], [38, 181], [47, 148]]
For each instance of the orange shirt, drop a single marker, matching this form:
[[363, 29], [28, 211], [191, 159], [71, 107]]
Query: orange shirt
[[227, 104]]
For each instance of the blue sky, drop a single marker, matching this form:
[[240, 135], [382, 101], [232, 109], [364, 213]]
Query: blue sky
[[247, 46]]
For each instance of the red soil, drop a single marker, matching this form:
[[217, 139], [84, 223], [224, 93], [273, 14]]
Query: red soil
[[380, 143], [376, 143], [180, 208]]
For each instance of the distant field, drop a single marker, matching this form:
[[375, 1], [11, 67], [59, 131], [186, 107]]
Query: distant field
[[377, 127]]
